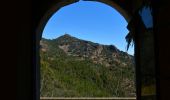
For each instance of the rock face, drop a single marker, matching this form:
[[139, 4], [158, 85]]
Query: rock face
[[75, 52]]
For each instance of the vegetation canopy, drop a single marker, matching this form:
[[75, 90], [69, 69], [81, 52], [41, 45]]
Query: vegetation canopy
[[71, 67]]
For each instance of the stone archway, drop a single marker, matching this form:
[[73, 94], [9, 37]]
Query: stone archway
[[129, 10], [55, 8]]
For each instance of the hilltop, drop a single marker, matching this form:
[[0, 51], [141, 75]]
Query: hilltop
[[80, 68]]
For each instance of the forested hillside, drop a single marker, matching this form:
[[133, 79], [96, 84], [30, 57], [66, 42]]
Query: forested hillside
[[71, 67]]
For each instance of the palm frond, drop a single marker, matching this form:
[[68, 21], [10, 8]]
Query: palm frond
[[129, 39]]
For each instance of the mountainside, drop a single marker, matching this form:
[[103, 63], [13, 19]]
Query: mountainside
[[79, 68]]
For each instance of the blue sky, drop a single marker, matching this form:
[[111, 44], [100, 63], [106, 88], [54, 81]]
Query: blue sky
[[92, 21]]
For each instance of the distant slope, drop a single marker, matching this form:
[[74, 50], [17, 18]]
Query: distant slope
[[71, 67]]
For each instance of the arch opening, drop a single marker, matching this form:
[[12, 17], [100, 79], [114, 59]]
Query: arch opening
[[52, 59]]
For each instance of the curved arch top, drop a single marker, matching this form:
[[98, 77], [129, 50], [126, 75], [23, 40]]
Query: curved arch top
[[114, 5], [50, 8]]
